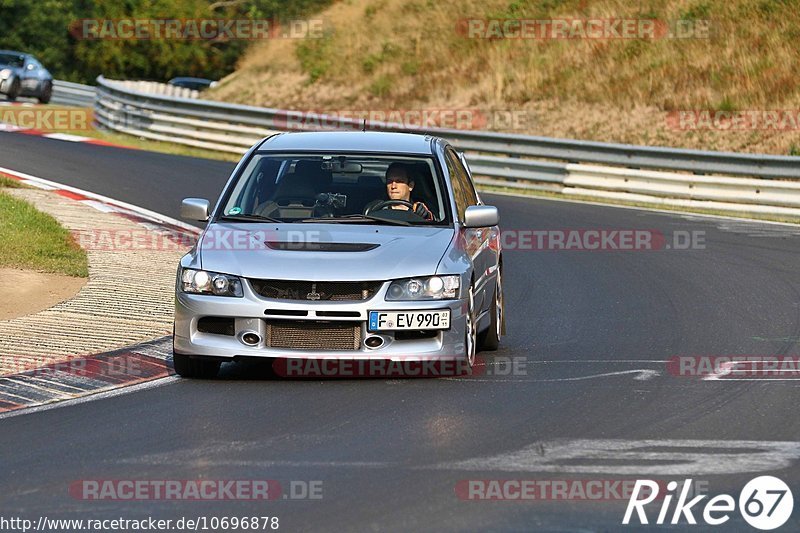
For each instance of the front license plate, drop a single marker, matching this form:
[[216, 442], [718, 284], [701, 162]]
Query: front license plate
[[393, 320]]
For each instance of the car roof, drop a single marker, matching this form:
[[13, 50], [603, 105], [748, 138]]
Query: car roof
[[190, 78], [352, 141], [14, 52]]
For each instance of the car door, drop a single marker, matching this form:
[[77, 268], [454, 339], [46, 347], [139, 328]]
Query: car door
[[476, 240], [490, 236]]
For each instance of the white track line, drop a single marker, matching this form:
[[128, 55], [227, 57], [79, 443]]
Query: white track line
[[146, 213]]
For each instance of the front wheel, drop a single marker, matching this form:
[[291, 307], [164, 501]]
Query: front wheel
[[47, 94], [13, 91], [189, 367], [470, 333], [489, 339]]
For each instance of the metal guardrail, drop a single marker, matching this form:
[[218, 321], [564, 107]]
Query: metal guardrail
[[78, 94], [628, 155], [73, 94], [722, 180]]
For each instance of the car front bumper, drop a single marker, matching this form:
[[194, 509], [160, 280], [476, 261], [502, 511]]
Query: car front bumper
[[253, 313], [5, 84]]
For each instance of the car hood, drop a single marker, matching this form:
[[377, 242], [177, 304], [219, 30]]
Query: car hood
[[323, 252]]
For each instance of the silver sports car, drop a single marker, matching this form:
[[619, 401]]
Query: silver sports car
[[359, 246], [22, 75]]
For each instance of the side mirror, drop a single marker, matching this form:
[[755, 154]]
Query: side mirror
[[481, 216], [195, 209]]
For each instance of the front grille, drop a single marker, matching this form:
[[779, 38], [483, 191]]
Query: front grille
[[316, 290], [313, 335]]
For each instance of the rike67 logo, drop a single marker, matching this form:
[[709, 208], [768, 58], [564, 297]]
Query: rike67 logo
[[765, 503]]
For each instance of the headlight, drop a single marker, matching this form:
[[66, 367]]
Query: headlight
[[6, 72], [432, 288], [202, 282]]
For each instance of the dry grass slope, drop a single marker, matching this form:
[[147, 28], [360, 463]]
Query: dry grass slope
[[408, 54]]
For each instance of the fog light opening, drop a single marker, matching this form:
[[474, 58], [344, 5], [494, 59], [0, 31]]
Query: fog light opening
[[374, 342], [251, 338]]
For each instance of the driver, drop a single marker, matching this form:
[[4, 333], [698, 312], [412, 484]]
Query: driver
[[399, 185]]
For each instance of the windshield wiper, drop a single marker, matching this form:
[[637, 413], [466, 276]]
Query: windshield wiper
[[248, 217], [357, 218]]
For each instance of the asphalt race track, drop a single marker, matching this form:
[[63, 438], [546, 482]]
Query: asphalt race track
[[592, 397]]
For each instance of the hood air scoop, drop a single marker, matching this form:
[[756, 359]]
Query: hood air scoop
[[321, 246]]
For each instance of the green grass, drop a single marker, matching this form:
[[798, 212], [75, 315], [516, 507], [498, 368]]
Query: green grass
[[8, 183], [30, 239]]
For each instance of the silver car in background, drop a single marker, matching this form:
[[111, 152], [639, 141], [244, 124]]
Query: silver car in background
[[304, 256], [22, 75]]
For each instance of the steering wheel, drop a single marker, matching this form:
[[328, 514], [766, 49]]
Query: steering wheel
[[388, 204]]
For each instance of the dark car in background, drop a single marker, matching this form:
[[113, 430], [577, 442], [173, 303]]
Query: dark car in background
[[22, 75], [196, 84]]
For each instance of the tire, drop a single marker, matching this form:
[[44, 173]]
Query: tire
[[13, 92], [489, 339], [470, 335], [47, 94], [195, 367]]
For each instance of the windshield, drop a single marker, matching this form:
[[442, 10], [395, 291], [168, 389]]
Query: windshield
[[339, 188], [12, 60]]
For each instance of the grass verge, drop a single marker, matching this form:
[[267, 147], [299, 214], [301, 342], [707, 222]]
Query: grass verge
[[152, 146], [30, 239], [8, 183], [75, 113]]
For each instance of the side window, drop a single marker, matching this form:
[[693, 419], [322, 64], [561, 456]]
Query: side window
[[456, 184], [473, 194], [462, 189]]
